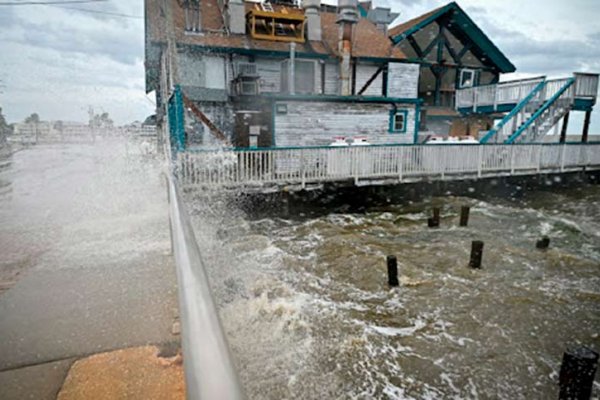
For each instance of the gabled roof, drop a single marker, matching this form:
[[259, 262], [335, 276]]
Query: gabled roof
[[368, 41], [462, 27]]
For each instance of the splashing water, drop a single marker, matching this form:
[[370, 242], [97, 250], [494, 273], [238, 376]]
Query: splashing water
[[308, 313]]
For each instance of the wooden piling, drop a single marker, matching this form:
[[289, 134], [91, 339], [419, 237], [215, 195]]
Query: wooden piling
[[464, 215], [577, 373], [543, 244], [392, 268], [476, 254], [434, 221]]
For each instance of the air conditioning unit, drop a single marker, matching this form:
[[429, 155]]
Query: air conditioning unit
[[247, 87], [246, 69]]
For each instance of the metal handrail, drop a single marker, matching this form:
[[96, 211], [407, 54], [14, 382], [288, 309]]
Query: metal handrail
[[513, 113], [208, 365], [546, 105]]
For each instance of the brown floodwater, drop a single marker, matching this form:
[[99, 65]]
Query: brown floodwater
[[308, 312]]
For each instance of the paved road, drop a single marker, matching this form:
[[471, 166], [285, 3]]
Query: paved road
[[84, 240]]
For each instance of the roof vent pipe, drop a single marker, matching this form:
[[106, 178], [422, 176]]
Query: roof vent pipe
[[346, 18], [312, 11], [236, 17]]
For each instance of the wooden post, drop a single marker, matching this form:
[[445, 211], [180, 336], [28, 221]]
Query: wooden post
[[434, 222], [476, 254], [392, 268], [577, 373], [543, 244], [586, 127], [464, 215]]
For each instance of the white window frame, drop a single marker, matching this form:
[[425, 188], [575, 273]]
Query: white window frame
[[462, 84]]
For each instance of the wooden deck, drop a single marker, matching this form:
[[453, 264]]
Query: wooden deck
[[505, 96], [297, 168]]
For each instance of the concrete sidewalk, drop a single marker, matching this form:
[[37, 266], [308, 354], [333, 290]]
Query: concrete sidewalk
[[86, 228]]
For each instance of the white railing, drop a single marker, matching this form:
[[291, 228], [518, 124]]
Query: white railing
[[302, 166], [493, 95], [586, 85], [511, 92], [514, 91]]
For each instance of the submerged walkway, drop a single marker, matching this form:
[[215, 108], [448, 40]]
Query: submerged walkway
[[85, 264]]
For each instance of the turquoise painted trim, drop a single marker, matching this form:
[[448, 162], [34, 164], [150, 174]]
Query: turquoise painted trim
[[514, 112], [362, 11], [252, 52], [417, 123], [471, 30], [584, 104], [500, 108], [283, 148], [398, 38], [546, 105], [391, 126], [176, 117], [273, 110], [348, 99]]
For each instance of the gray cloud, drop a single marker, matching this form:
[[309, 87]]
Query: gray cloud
[[532, 55]]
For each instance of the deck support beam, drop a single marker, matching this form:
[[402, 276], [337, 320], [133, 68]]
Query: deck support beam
[[563, 131], [586, 126]]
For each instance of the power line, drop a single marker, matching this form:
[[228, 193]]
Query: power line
[[57, 4], [38, 3], [98, 12]]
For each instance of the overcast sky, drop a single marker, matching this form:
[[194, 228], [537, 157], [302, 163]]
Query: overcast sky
[[58, 61]]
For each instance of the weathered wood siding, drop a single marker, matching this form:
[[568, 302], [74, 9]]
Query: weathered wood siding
[[202, 71], [364, 72], [403, 80], [316, 123], [332, 78]]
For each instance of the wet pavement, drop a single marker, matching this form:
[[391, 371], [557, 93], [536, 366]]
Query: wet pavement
[[85, 263]]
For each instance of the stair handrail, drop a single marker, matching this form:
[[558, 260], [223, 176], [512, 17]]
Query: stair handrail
[[513, 112], [535, 115]]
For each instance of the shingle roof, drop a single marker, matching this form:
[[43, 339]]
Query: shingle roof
[[405, 26], [368, 42]]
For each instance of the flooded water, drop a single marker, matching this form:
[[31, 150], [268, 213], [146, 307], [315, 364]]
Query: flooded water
[[308, 312]]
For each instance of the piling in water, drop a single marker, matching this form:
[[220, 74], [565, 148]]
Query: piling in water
[[434, 221], [577, 373], [544, 243], [476, 254], [464, 215], [392, 267]]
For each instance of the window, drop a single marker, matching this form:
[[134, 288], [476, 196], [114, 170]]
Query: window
[[304, 77], [192, 15], [467, 78], [398, 121]]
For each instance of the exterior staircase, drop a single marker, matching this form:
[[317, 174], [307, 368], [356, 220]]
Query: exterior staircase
[[533, 106]]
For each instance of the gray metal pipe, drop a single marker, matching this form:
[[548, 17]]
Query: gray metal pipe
[[208, 365]]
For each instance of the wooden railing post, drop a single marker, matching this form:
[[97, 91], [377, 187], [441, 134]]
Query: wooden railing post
[[512, 159], [303, 169], [401, 164], [480, 160]]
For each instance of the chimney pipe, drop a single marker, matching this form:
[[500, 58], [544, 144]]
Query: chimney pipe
[[312, 11], [292, 69], [236, 16], [346, 18]]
